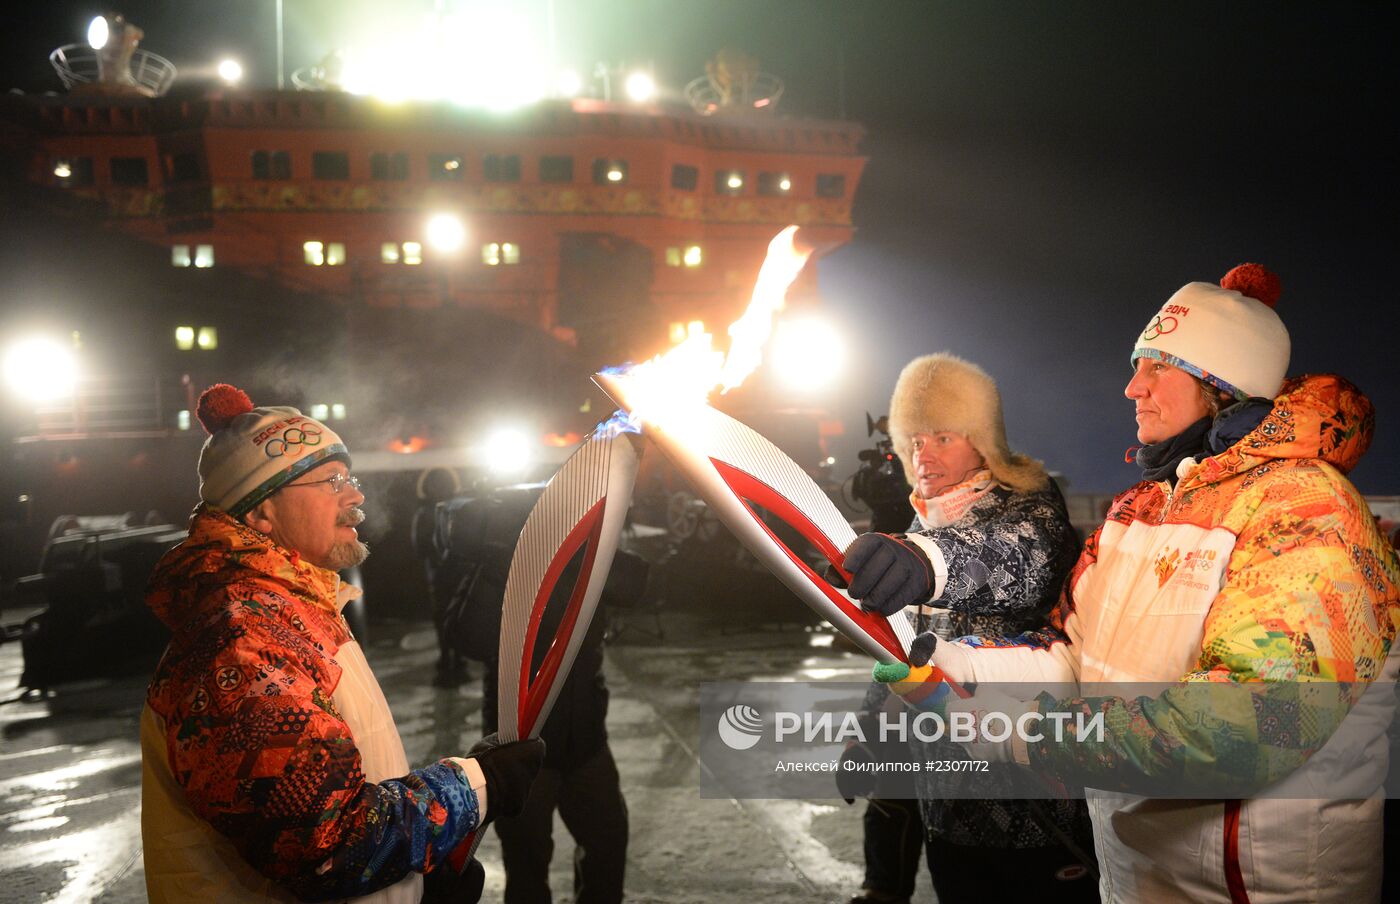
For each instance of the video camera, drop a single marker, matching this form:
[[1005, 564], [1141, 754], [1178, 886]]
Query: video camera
[[880, 483]]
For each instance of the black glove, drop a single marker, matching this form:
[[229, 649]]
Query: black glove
[[921, 649], [859, 781], [888, 573], [510, 768]]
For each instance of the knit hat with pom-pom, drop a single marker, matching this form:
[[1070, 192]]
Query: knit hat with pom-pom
[[1227, 335], [251, 452]]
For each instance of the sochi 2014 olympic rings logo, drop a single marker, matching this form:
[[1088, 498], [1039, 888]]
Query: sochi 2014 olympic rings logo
[[1159, 326], [292, 436]]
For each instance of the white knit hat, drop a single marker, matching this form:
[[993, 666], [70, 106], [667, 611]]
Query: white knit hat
[[251, 452], [1227, 335]]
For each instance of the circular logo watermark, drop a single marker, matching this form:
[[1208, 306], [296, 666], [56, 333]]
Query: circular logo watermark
[[740, 727]]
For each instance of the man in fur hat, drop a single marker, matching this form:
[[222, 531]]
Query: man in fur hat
[[994, 543]]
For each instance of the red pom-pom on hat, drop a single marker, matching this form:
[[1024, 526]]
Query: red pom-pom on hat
[[1254, 281], [220, 404]]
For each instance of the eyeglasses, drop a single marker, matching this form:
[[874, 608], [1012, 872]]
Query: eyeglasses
[[338, 483]]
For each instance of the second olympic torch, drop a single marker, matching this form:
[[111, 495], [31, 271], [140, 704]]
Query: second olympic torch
[[736, 470]]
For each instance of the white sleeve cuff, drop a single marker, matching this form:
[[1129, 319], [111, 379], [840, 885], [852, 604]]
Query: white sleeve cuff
[[955, 661], [935, 556], [477, 780]]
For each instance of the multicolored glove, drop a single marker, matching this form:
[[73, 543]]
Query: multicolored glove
[[888, 572]]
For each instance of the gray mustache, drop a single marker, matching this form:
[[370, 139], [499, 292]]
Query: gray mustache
[[352, 517]]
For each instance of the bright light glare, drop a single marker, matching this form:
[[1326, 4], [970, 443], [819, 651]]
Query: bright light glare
[[446, 232], [62, 169], [40, 369], [808, 353], [506, 451], [230, 71], [641, 87], [569, 83], [483, 58], [98, 33]]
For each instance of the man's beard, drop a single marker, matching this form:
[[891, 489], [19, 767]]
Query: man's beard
[[347, 555], [351, 552]]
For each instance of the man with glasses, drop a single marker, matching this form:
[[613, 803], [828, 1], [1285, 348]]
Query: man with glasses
[[271, 765]]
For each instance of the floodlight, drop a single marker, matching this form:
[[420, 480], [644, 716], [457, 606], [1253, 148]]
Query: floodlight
[[640, 86], [446, 232], [98, 32], [808, 353], [506, 451], [569, 83], [40, 369], [231, 71]]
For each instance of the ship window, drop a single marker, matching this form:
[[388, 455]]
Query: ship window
[[774, 183], [609, 172], [501, 167], [831, 185], [184, 338], [335, 254], [445, 166], [389, 253], [73, 171], [272, 165], [207, 338], [129, 171], [330, 165], [385, 166], [180, 256], [412, 253], [729, 182], [556, 169], [314, 253], [184, 167], [684, 177], [204, 256], [493, 254]]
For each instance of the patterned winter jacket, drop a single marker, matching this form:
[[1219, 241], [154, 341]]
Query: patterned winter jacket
[[1262, 574], [264, 722], [1000, 568]]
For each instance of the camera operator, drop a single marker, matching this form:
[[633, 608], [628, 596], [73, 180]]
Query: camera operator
[[992, 529]]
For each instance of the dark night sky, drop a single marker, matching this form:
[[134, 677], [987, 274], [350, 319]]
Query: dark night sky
[[1042, 176]]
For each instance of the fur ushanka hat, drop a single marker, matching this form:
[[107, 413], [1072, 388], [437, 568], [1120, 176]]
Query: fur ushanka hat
[[942, 393]]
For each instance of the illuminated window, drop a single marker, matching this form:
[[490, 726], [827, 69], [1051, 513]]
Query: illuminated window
[[501, 167], [204, 256], [491, 254], [774, 183], [609, 172], [335, 254], [314, 253], [337, 411], [330, 165], [208, 338], [184, 338], [729, 182], [412, 253], [320, 411], [695, 328], [182, 419], [71, 172], [510, 253], [831, 185], [693, 256], [445, 166], [389, 253], [673, 257], [180, 256], [556, 169], [676, 333], [385, 166]]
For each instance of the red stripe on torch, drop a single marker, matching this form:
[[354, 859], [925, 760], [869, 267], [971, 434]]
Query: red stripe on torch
[[750, 489]]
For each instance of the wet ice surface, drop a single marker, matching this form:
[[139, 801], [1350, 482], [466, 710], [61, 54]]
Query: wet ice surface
[[70, 772]]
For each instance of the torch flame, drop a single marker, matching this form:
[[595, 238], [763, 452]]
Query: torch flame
[[691, 371]]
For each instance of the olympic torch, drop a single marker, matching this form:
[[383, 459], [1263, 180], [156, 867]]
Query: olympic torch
[[578, 519], [735, 469]]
